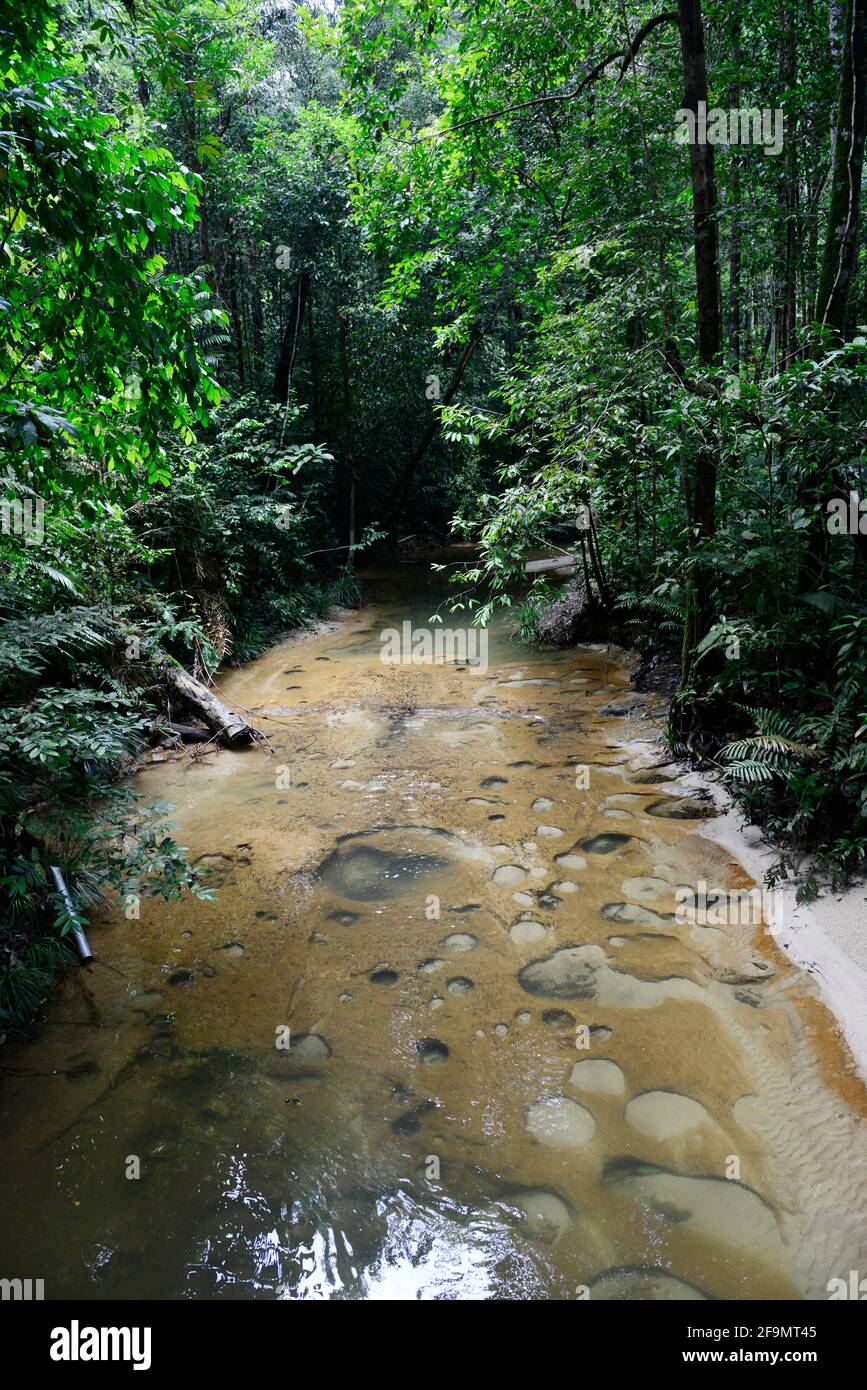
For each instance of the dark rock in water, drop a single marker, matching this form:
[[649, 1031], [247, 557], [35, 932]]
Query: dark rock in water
[[549, 901], [489, 782], [431, 1051], [572, 618], [406, 1124], [384, 977], [468, 907], [208, 971], [461, 941], [267, 916], [82, 1071], [558, 1018], [459, 984], [748, 996], [623, 705], [365, 874], [309, 1047], [681, 808], [604, 844], [215, 868], [410, 1121], [567, 974], [643, 1283], [634, 915], [622, 1169], [181, 977], [345, 919], [216, 1109]]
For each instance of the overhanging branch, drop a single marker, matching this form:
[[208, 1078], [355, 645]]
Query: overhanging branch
[[623, 55]]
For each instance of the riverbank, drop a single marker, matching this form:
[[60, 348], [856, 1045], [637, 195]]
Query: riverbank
[[827, 937]]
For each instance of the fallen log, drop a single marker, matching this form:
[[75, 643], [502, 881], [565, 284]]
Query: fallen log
[[224, 723], [189, 733], [561, 566]]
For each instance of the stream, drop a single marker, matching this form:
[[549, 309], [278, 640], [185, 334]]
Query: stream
[[443, 1031]]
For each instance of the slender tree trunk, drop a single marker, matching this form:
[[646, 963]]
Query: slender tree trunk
[[700, 478], [704, 200], [839, 262], [840, 253], [733, 324], [237, 327], [256, 314], [788, 202], [291, 337], [347, 429], [313, 350]]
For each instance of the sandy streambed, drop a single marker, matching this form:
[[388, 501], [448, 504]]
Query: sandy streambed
[[444, 1032]]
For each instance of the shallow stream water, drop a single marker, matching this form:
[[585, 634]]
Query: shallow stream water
[[441, 1033]]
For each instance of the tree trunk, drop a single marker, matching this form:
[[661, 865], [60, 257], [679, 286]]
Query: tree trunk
[[733, 325], [347, 431], [700, 479], [313, 351], [839, 262], [291, 336], [840, 254], [704, 201], [229, 727], [788, 203]]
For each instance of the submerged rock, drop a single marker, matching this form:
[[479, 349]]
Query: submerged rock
[[631, 914], [546, 1216], [309, 1047], [634, 1283], [365, 874], [82, 1071], [682, 808], [384, 977], [664, 1114], [560, 1123], [599, 1076], [603, 844], [568, 974], [461, 941], [431, 1051], [459, 984], [508, 876], [526, 933], [719, 1209], [410, 1121], [430, 967], [558, 1018]]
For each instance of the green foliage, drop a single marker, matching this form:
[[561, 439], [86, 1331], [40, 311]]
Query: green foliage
[[205, 199]]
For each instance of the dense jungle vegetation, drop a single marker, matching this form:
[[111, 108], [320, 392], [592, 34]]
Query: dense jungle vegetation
[[281, 282]]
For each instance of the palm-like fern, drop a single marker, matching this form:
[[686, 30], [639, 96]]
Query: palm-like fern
[[774, 751]]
